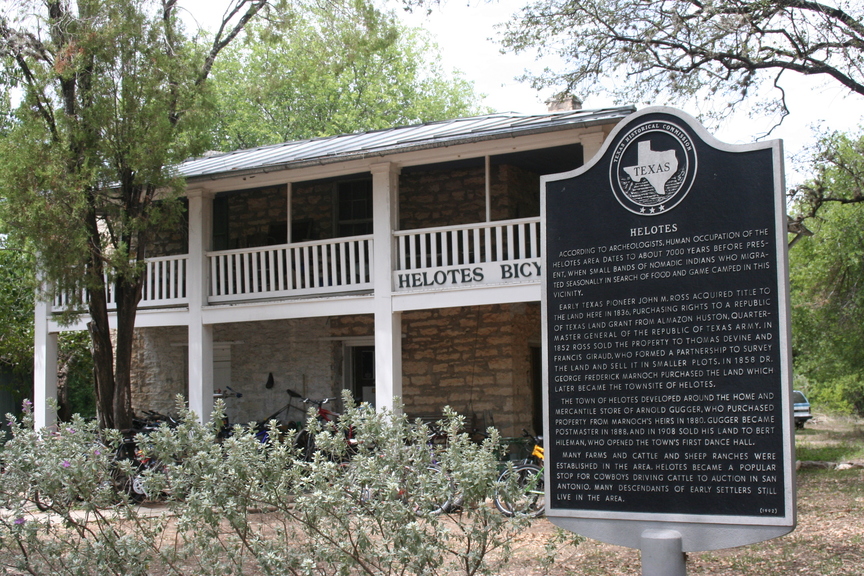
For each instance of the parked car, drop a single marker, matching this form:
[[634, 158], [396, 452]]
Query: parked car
[[801, 408]]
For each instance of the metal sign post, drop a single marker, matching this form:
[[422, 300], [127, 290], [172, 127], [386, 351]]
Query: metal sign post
[[666, 343]]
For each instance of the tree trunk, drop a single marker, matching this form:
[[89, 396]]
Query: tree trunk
[[99, 327], [103, 360], [128, 294]]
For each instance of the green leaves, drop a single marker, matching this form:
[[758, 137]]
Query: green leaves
[[111, 95], [827, 276], [242, 506], [337, 68]]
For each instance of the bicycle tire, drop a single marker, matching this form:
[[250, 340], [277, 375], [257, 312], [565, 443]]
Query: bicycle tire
[[530, 498], [441, 505]]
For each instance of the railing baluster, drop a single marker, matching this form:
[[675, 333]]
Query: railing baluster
[[414, 252], [278, 259], [297, 267], [225, 275], [487, 245], [255, 281], [532, 240], [478, 256], [446, 258]]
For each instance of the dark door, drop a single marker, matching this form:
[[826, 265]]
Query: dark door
[[363, 374]]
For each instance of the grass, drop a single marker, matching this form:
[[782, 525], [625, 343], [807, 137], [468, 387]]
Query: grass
[[834, 453], [830, 439]]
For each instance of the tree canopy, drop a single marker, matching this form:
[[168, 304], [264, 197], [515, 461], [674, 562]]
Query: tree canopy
[[715, 55], [17, 286], [102, 97], [112, 94], [688, 49], [356, 68], [827, 276]]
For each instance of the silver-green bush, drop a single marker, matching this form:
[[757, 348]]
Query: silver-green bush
[[369, 500]]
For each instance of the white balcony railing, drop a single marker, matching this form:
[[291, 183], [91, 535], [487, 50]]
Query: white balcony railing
[[486, 253], [164, 281], [319, 267], [164, 285], [469, 244]]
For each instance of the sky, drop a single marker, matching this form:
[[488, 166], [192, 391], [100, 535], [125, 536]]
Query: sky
[[465, 29]]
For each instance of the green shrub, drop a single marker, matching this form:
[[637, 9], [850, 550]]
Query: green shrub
[[370, 505], [844, 394]]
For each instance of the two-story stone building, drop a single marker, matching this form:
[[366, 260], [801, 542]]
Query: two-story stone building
[[398, 263]]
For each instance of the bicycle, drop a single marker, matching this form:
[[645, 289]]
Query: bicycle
[[131, 481], [528, 496], [420, 484]]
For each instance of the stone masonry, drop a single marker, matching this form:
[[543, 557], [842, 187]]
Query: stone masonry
[[474, 359]]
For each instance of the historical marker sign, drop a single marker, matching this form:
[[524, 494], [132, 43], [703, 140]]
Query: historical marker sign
[[666, 338]]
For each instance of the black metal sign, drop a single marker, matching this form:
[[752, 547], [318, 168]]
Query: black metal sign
[[666, 331]]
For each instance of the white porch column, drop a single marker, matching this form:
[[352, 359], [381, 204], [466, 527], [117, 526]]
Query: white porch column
[[197, 287], [44, 367], [591, 144], [388, 324]]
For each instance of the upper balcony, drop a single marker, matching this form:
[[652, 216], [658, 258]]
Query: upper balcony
[[436, 208], [441, 258]]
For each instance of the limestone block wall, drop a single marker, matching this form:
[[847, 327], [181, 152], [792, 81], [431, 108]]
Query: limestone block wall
[[172, 241], [159, 368], [441, 198], [254, 215], [433, 198], [299, 354], [313, 202], [515, 193], [475, 359]]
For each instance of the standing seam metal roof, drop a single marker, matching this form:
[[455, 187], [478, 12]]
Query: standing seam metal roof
[[392, 140]]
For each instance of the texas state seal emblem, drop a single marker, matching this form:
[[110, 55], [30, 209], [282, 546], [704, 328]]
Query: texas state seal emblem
[[653, 167]]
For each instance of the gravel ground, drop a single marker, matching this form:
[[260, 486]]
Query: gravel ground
[[829, 538]]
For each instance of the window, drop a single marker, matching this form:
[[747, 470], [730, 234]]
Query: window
[[354, 208], [220, 223]]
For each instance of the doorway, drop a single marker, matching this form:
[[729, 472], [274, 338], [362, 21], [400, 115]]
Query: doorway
[[360, 373]]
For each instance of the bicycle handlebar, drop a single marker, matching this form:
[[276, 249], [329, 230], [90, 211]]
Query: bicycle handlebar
[[318, 403], [536, 439]]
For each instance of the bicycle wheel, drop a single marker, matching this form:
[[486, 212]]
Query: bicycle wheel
[[530, 496], [437, 495]]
